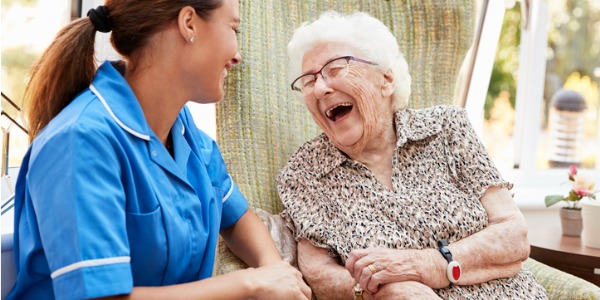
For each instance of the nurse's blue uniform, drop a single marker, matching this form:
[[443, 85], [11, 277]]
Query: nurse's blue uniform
[[102, 206]]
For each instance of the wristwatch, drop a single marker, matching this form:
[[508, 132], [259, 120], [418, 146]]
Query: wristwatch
[[453, 271], [358, 292]]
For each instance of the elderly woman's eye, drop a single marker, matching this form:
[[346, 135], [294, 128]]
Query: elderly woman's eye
[[308, 81], [335, 70]]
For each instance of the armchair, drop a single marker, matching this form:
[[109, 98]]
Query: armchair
[[260, 124]]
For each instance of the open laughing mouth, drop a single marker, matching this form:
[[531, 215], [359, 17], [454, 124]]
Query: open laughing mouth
[[339, 111]]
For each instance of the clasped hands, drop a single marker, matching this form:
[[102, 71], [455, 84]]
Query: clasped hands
[[373, 268]]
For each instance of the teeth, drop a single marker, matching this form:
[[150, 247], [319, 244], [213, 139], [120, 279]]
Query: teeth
[[329, 112]]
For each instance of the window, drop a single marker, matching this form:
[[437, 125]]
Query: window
[[545, 46], [27, 29]]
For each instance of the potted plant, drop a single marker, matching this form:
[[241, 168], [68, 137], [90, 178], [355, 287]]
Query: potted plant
[[570, 215]]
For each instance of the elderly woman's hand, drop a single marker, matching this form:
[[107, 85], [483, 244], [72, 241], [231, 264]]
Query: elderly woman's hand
[[409, 290], [378, 266]]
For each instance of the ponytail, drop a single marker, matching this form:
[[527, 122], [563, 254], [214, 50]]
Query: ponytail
[[65, 69]]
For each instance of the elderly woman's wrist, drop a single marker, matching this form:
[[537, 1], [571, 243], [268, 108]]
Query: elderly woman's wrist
[[433, 270]]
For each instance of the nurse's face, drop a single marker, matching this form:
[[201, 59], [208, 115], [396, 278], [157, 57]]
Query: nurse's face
[[216, 51]]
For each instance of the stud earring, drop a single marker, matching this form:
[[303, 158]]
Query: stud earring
[[192, 39]]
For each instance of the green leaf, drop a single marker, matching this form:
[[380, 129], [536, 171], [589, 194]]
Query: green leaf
[[573, 196], [552, 199]]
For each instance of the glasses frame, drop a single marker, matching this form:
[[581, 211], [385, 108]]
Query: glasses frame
[[348, 58]]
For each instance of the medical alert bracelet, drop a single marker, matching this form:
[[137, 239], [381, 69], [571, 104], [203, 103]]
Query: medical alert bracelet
[[453, 271]]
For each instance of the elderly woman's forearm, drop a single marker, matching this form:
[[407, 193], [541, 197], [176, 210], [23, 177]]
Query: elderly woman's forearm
[[327, 279], [497, 250]]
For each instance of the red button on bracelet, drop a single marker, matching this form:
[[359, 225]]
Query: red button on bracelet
[[453, 271]]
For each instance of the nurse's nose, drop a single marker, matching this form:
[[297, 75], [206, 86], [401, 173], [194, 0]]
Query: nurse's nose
[[237, 59]]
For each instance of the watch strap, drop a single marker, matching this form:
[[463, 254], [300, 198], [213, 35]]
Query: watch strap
[[453, 271]]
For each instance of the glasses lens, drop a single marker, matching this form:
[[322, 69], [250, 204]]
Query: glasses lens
[[336, 68], [304, 81]]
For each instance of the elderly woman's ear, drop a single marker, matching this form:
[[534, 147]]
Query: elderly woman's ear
[[389, 83]]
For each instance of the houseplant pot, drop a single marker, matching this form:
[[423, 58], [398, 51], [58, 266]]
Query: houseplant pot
[[571, 221], [571, 216], [590, 213]]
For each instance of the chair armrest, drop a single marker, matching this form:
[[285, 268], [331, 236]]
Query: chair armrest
[[561, 285], [226, 261]]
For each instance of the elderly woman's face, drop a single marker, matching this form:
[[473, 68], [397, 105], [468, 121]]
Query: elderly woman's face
[[335, 100]]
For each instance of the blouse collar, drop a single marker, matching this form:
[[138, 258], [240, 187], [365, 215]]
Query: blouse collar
[[411, 124]]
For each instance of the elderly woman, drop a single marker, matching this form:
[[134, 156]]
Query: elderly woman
[[389, 201]]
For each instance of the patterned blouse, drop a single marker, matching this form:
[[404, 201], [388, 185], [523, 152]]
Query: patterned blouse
[[440, 171]]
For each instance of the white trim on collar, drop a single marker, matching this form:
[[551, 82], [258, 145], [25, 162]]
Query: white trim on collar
[[112, 114], [182, 126]]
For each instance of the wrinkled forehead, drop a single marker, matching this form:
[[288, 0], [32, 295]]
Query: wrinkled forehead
[[323, 52]]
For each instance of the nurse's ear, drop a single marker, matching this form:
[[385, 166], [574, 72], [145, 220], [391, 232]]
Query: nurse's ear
[[185, 21], [389, 83]]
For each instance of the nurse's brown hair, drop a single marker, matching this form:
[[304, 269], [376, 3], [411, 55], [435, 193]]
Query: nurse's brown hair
[[67, 66]]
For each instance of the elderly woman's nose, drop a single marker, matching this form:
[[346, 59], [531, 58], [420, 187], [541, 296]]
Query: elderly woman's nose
[[322, 88]]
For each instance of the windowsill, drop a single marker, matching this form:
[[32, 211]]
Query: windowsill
[[530, 188]]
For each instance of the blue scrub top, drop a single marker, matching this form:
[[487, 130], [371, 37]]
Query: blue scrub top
[[102, 206]]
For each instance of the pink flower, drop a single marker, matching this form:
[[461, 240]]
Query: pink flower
[[583, 193], [583, 186], [572, 172]]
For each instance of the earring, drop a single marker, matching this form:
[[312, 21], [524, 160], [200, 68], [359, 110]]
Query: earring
[[192, 39]]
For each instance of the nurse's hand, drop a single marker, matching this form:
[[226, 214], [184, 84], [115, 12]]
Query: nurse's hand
[[280, 281]]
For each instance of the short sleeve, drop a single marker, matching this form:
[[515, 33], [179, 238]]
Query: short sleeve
[[234, 204], [302, 210], [75, 188], [472, 167]]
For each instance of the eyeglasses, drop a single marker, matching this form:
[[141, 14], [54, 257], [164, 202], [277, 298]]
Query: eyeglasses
[[335, 68]]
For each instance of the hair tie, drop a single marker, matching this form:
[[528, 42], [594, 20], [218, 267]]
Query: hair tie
[[100, 17]]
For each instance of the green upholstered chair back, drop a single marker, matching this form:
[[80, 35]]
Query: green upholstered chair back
[[261, 123]]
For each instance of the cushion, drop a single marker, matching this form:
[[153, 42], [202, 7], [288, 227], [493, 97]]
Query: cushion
[[561, 285]]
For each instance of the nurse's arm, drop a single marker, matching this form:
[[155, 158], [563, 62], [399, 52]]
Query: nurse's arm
[[268, 278], [275, 281], [250, 240]]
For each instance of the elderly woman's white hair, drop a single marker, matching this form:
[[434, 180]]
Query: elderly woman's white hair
[[362, 32]]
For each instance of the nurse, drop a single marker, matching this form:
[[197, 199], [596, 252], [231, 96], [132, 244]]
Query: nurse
[[120, 194]]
